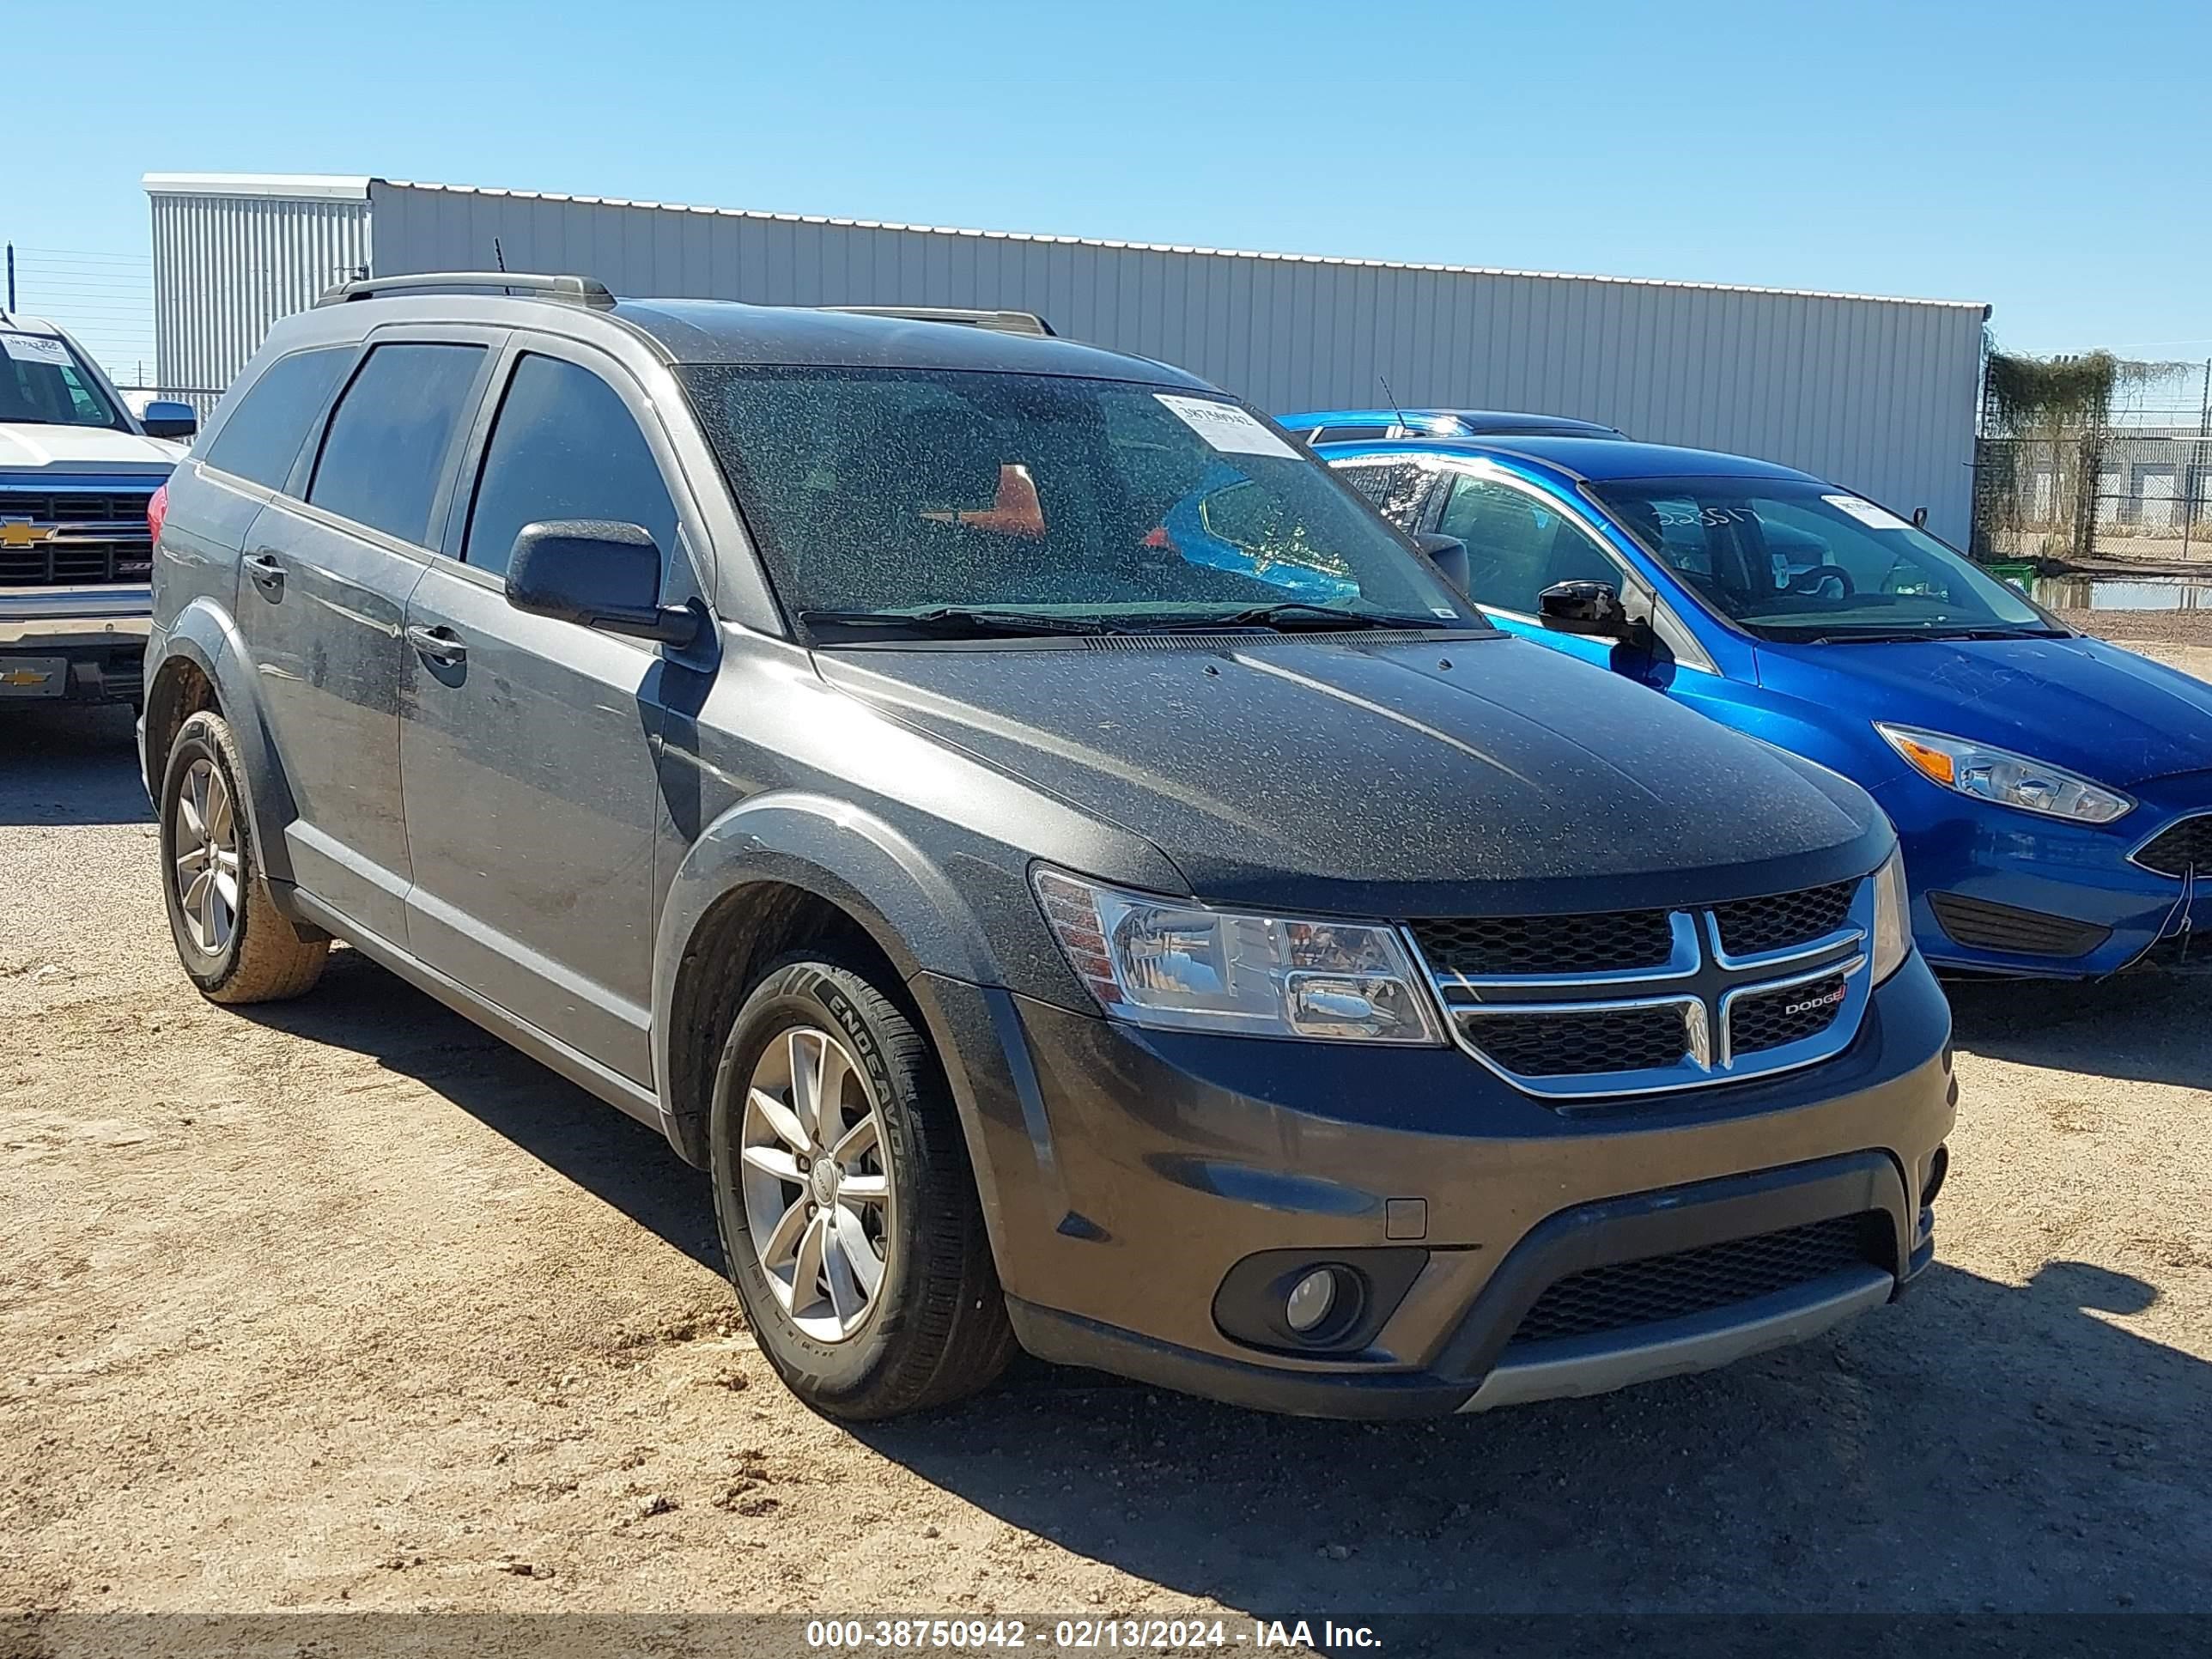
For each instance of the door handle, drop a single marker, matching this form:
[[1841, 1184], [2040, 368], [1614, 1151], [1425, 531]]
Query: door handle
[[268, 574], [438, 645]]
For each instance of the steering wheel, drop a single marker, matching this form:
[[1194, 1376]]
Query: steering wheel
[[1812, 582]]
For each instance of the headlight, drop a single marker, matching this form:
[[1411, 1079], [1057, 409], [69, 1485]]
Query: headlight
[[1893, 918], [2011, 780], [1169, 963]]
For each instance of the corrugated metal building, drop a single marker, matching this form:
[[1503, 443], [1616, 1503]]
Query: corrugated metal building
[[1879, 394]]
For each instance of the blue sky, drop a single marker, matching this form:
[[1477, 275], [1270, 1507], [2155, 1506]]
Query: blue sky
[[2040, 157]]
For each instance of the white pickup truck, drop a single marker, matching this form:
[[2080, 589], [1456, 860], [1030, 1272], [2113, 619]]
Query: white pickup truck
[[77, 473]]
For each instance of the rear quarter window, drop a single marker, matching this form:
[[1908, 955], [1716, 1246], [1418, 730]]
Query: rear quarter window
[[260, 438]]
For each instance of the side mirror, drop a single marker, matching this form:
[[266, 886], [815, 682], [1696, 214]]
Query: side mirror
[[596, 573], [165, 419], [1448, 554], [1920, 517], [1585, 607]]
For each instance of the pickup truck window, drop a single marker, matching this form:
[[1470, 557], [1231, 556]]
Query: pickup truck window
[[881, 491], [43, 384], [389, 435], [563, 447], [260, 438]]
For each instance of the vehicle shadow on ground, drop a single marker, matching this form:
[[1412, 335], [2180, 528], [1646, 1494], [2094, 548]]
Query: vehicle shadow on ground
[[2150, 1027], [357, 1006], [64, 765], [1977, 1445], [2044, 1467]]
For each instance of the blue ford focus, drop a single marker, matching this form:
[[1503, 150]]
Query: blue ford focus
[[2053, 793]]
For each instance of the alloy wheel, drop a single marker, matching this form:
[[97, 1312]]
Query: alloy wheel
[[816, 1182], [205, 858]]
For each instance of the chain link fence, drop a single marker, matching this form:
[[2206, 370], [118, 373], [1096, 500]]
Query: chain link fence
[[200, 398], [2109, 494]]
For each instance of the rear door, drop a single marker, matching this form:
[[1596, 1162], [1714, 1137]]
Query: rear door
[[530, 745], [322, 596]]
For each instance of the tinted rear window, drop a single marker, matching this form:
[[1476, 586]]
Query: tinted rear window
[[260, 438], [390, 434]]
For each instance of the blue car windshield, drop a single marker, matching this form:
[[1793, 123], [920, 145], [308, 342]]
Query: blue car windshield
[[1790, 560], [888, 491]]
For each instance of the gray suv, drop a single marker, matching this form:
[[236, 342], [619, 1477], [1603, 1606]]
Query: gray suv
[[1074, 875]]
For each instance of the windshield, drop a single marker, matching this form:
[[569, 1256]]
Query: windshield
[[1809, 560], [42, 383], [874, 491]]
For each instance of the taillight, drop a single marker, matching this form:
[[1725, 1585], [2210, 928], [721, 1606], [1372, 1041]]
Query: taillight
[[157, 508]]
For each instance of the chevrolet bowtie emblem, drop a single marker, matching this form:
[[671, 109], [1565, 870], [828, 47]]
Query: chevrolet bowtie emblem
[[21, 532], [24, 677]]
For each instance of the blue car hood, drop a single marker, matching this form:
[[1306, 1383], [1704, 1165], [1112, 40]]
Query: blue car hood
[[2076, 702]]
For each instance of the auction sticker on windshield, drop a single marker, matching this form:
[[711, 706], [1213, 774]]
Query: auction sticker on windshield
[[1872, 517], [36, 348], [1227, 427]]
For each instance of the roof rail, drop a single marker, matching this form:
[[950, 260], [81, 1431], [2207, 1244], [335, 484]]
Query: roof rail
[[573, 290], [1001, 322]]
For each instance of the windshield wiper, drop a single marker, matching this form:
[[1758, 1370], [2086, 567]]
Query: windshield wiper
[[954, 622], [1294, 614], [1894, 636]]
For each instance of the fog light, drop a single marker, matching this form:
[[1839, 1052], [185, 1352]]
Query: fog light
[[1311, 1300], [1938, 1167]]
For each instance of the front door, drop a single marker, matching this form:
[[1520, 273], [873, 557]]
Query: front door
[[1519, 543], [323, 587], [529, 745]]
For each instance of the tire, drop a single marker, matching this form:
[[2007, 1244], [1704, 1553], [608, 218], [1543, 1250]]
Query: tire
[[933, 1328], [259, 956]]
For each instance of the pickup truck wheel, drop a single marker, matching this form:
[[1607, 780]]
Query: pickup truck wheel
[[234, 943], [848, 1208]]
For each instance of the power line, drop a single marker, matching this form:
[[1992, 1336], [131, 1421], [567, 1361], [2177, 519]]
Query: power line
[[85, 253]]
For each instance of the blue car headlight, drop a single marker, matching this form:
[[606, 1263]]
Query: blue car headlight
[[2000, 775]]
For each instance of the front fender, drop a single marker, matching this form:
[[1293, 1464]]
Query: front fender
[[207, 637], [828, 847]]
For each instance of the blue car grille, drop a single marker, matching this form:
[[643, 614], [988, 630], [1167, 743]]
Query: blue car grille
[[2180, 847]]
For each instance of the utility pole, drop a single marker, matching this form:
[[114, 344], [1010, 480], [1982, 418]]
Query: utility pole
[[11, 277], [2200, 484]]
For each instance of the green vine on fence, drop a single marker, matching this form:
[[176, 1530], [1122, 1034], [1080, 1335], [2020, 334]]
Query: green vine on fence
[[2025, 395]]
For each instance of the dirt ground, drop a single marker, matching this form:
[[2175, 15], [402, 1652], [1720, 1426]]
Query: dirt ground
[[2181, 630], [342, 1304]]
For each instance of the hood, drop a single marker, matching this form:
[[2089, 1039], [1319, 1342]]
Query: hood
[[49, 450], [1370, 775], [2079, 703]]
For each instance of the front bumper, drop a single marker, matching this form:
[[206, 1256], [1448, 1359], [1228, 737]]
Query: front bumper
[[1131, 1178], [1999, 859], [81, 644]]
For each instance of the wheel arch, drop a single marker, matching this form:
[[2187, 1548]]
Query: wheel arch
[[775, 873], [204, 666]]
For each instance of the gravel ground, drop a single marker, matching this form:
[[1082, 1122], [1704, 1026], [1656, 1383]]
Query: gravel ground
[[340, 1304]]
